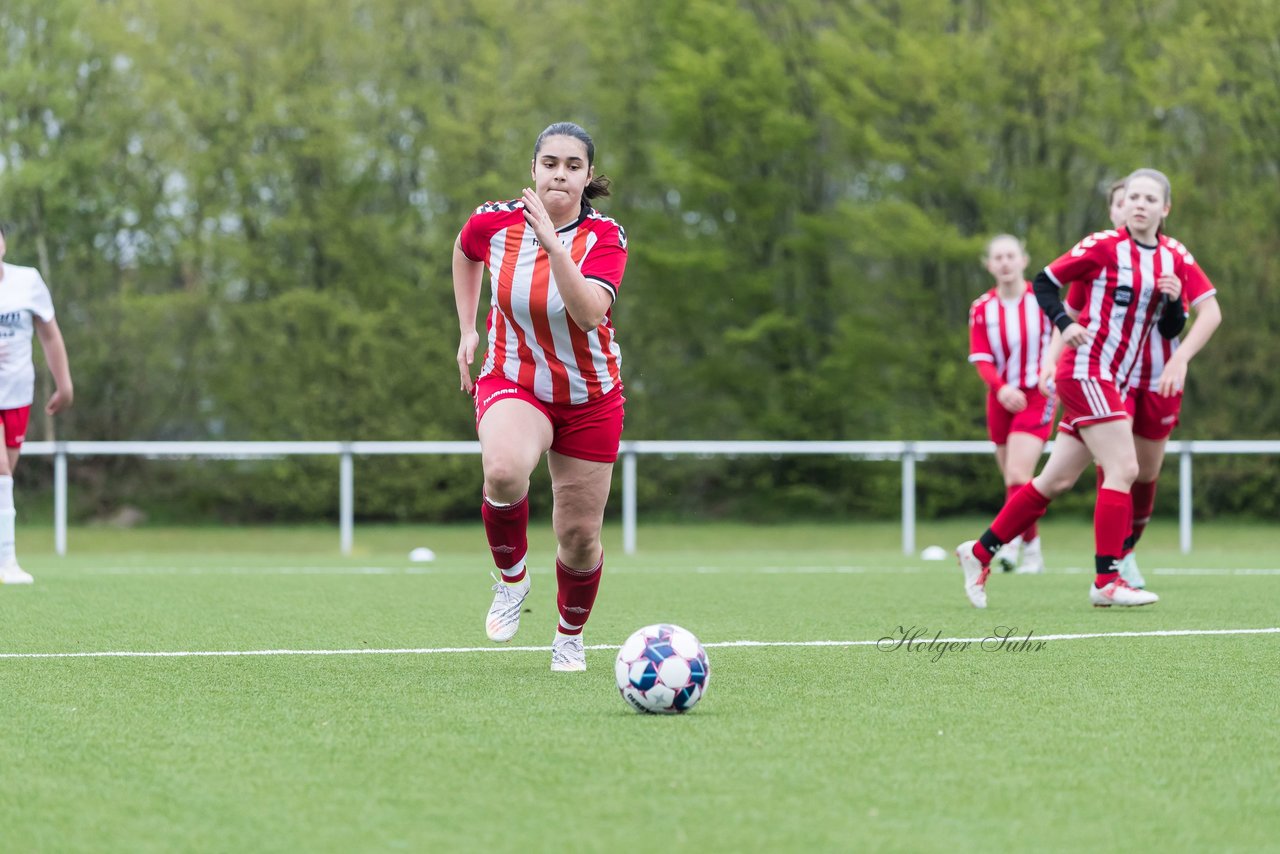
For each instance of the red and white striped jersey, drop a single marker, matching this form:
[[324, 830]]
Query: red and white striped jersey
[[1120, 306], [1196, 288], [1014, 335], [532, 340]]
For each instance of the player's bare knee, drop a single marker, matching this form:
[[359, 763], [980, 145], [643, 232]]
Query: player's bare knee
[[1052, 487], [504, 480], [581, 539]]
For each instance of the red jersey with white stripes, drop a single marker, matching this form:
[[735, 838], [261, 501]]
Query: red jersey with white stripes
[[532, 340], [1012, 334], [1196, 288], [1118, 276]]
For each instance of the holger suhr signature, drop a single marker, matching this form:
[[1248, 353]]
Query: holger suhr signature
[[919, 639]]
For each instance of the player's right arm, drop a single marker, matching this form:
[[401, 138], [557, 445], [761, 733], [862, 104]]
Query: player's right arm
[[1081, 263], [467, 275]]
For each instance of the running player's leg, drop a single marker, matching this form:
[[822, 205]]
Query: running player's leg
[[1112, 445], [1024, 451], [514, 434], [1067, 460], [581, 489], [581, 464]]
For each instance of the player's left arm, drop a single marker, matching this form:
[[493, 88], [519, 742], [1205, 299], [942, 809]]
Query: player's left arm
[[586, 302], [55, 355], [1208, 318]]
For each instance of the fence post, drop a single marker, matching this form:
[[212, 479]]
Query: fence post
[[629, 502], [60, 498], [1184, 498], [346, 498], [908, 499]]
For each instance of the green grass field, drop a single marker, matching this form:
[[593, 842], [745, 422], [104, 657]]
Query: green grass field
[[1118, 743]]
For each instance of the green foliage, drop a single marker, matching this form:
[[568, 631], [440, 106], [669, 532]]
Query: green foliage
[[246, 212]]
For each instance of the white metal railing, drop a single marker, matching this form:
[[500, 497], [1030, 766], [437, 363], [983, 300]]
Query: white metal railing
[[908, 453]]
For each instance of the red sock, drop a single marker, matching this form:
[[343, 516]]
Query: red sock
[[576, 594], [1026, 506], [1144, 501], [1030, 533], [1112, 516], [507, 528]]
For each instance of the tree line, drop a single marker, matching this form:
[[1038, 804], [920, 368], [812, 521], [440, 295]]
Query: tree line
[[245, 213]]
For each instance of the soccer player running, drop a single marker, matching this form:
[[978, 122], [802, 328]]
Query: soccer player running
[[1009, 338], [25, 308], [550, 382], [1152, 402], [1135, 274]]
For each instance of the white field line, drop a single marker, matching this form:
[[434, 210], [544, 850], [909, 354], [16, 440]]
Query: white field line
[[699, 570], [722, 644]]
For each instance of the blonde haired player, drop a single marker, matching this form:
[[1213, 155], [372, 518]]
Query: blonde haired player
[[1136, 276], [1009, 344], [25, 308]]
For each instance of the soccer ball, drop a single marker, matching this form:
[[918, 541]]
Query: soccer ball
[[662, 669]]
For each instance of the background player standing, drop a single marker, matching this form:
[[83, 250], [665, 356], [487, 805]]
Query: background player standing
[[26, 308], [1009, 338]]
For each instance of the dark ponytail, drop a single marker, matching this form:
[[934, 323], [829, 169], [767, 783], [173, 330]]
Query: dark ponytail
[[599, 185]]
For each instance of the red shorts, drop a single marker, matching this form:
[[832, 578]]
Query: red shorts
[[15, 425], [1087, 402], [1154, 417], [1036, 419], [584, 431]]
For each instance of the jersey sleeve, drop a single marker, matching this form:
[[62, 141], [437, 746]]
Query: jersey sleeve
[[41, 300], [1196, 286], [477, 231], [1077, 295], [979, 343], [606, 260], [1083, 261]]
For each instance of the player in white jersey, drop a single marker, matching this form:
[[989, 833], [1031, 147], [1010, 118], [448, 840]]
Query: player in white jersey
[[26, 309], [1009, 339], [551, 381], [1135, 275]]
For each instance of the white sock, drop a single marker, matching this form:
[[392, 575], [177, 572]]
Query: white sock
[[8, 551]]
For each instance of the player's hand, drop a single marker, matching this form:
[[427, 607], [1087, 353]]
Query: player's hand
[[59, 400], [1172, 376], [1047, 386], [1012, 399], [1169, 285], [466, 355], [535, 214], [1075, 335]]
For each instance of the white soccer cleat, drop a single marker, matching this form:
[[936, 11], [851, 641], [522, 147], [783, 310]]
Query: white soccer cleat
[[1120, 593], [1032, 562], [975, 574], [1129, 572], [568, 654], [504, 614], [1006, 557], [13, 574]]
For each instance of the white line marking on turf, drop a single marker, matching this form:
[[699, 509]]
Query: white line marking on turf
[[627, 570], [600, 646]]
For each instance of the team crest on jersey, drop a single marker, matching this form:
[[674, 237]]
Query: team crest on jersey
[[1124, 295]]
